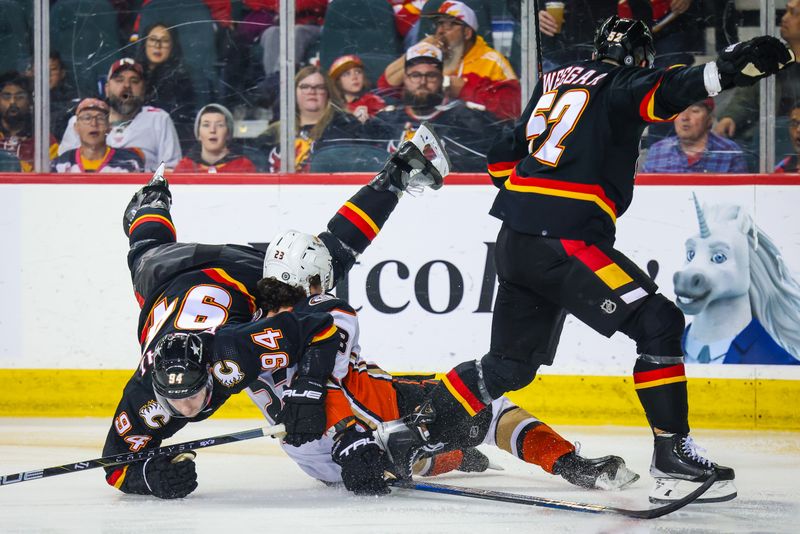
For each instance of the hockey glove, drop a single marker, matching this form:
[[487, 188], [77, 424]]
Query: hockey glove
[[362, 461], [745, 63], [303, 411], [164, 479]]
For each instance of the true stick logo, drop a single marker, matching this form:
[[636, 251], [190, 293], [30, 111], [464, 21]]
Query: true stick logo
[[20, 477], [81, 465]]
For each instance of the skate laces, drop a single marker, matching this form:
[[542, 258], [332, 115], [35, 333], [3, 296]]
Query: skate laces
[[694, 451]]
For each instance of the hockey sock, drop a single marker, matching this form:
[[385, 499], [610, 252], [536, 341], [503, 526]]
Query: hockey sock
[[530, 440], [361, 218], [662, 391], [151, 224], [456, 399], [439, 464]]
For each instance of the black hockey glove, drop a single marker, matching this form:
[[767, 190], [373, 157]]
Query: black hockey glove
[[167, 480], [745, 63], [362, 461], [303, 411]]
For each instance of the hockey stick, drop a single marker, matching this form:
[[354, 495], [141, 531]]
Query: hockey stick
[[120, 459], [538, 35], [530, 500]]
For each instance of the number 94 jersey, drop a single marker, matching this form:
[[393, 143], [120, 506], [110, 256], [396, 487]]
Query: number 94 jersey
[[567, 168]]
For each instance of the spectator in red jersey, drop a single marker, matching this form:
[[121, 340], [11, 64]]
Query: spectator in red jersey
[[406, 14], [789, 163], [94, 155], [473, 71], [214, 151], [351, 88], [16, 120]]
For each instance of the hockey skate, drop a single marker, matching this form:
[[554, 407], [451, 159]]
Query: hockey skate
[[606, 473], [155, 194], [405, 440], [679, 469], [410, 168]]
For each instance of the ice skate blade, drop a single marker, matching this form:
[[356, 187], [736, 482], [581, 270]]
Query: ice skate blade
[[623, 478], [425, 137], [667, 490]]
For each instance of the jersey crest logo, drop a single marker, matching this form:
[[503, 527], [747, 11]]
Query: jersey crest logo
[[227, 372], [608, 306], [154, 415], [317, 299]]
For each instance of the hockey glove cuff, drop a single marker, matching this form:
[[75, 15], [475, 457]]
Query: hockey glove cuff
[[362, 461], [303, 412]]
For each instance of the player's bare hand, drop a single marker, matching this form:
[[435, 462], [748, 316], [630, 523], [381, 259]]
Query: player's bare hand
[[679, 6], [547, 24], [726, 127]]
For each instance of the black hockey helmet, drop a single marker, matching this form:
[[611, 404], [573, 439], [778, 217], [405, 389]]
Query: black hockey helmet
[[179, 369], [626, 41]]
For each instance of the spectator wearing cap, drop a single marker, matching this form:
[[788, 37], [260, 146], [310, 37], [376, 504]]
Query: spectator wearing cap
[[466, 129], [789, 163], [16, 120], [94, 155], [168, 84], [473, 70], [695, 148], [214, 151], [351, 88], [133, 125]]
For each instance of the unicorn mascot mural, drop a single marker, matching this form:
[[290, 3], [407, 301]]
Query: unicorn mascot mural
[[745, 302]]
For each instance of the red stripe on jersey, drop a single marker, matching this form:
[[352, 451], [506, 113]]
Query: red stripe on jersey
[[461, 390], [659, 374], [501, 168], [558, 185], [153, 218], [647, 106], [358, 222], [117, 477], [220, 276], [139, 298]]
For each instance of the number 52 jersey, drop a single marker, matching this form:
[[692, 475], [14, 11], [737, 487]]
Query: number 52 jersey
[[567, 169]]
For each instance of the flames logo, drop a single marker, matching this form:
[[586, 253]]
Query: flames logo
[[227, 372], [154, 415]]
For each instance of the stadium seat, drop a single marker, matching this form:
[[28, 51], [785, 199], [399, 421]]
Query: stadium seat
[[480, 8], [85, 33], [192, 20], [363, 27], [341, 157], [257, 156], [9, 163], [14, 37]]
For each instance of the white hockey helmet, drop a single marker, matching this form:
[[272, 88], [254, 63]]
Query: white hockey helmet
[[294, 258]]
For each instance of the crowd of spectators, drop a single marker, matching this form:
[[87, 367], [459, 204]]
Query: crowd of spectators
[[149, 107]]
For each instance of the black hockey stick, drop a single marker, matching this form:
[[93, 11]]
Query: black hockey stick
[[120, 459], [538, 36], [530, 500]]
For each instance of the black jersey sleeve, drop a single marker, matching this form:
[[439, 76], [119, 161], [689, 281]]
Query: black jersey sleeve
[[139, 423], [511, 145], [656, 95]]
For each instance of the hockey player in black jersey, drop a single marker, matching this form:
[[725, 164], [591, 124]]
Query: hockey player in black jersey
[[565, 174], [203, 338]]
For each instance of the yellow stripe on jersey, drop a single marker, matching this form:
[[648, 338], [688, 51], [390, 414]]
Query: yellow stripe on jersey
[[121, 478], [328, 332], [562, 193]]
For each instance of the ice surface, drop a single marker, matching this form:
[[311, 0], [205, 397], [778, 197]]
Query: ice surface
[[253, 487]]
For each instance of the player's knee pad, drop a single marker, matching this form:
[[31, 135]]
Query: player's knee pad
[[502, 374], [656, 326]]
